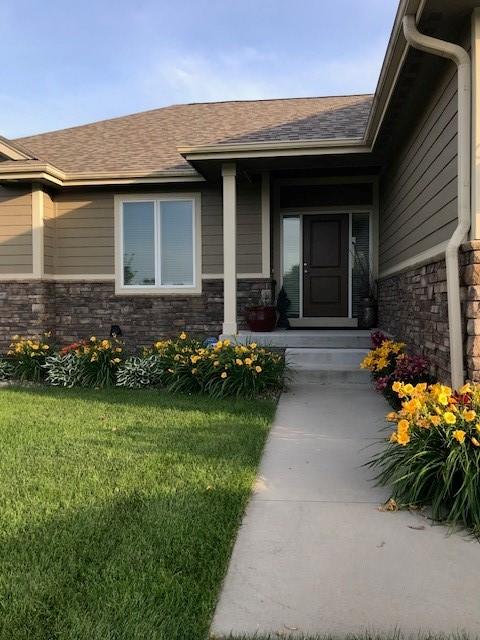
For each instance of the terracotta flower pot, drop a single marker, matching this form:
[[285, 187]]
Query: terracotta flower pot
[[261, 318]]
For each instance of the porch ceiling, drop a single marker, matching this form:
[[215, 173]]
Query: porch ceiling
[[333, 164]]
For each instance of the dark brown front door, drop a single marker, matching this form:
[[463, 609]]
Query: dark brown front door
[[325, 265]]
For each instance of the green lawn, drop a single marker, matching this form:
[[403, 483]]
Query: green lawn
[[118, 510]]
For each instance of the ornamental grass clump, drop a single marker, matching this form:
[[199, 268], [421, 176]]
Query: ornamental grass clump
[[433, 455], [27, 356]]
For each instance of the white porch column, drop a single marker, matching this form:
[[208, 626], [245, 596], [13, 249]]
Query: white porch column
[[229, 172]]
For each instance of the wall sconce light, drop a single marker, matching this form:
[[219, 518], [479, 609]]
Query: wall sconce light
[[115, 331]]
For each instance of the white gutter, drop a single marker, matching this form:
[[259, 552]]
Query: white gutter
[[461, 58]]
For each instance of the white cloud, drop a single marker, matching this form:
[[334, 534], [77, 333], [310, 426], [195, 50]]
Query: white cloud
[[198, 78], [251, 74]]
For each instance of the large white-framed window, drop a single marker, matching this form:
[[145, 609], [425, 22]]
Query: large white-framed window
[[158, 243]]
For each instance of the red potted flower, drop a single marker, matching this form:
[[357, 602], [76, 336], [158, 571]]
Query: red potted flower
[[263, 316]]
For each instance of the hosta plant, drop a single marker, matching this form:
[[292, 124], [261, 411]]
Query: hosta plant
[[6, 370], [433, 456], [28, 356], [97, 361], [64, 369], [137, 372]]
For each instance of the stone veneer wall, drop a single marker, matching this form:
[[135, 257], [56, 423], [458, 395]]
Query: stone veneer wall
[[26, 308], [79, 309], [413, 308], [470, 259]]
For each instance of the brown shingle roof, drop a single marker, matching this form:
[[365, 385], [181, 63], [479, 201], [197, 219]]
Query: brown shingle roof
[[148, 141]]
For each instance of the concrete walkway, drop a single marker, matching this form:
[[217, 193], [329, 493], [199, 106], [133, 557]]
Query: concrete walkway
[[314, 553]]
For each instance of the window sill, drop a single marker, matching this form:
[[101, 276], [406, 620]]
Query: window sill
[[157, 291]]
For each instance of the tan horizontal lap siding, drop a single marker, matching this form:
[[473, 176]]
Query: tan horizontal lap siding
[[84, 231], [418, 192], [15, 231], [249, 229]]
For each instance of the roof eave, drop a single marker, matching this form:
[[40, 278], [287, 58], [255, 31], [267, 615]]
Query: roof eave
[[275, 149], [391, 68], [49, 174], [13, 151]]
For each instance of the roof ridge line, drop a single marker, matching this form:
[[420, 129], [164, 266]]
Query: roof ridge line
[[188, 104]]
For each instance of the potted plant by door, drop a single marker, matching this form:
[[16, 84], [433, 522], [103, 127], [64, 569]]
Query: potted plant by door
[[368, 305], [262, 316]]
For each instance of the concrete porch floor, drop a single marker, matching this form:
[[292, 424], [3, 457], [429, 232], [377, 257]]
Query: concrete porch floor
[[315, 555]]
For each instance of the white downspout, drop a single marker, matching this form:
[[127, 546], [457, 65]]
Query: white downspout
[[461, 58]]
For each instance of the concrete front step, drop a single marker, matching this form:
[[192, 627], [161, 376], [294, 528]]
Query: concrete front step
[[307, 339], [325, 358], [335, 376], [327, 366]]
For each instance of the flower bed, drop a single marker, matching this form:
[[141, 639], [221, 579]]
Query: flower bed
[[183, 364], [433, 456], [388, 363]]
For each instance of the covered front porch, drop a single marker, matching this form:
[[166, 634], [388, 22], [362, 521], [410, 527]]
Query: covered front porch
[[319, 242], [315, 231]]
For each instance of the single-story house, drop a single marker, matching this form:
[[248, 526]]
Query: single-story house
[[180, 217]]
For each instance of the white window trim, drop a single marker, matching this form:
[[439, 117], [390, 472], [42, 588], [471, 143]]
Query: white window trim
[[158, 290]]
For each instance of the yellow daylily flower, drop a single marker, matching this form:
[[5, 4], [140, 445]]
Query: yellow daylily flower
[[469, 416], [449, 417], [403, 438], [467, 388]]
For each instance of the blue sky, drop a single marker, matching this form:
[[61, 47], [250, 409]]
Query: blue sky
[[77, 62]]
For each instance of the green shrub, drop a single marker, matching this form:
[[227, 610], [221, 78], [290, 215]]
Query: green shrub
[[433, 457], [28, 356]]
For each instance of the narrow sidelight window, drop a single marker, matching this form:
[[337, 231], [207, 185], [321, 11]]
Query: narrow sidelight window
[[291, 263]]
